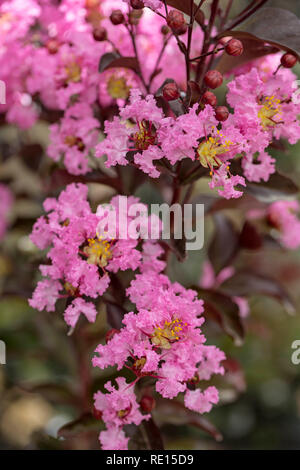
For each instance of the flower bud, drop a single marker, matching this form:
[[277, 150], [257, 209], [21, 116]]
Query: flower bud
[[170, 91], [110, 334], [213, 79], [209, 98], [234, 47], [147, 403], [135, 16], [221, 113], [52, 46], [165, 30], [137, 4], [100, 34], [117, 17], [176, 22], [288, 60]]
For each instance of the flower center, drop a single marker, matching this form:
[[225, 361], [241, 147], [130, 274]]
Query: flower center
[[70, 289], [72, 140], [117, 87], [171, 332], [270, 107], [73, 72], [210, 150], [145, 136], [98, 251]]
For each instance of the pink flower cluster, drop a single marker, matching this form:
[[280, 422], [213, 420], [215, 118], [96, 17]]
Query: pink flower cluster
[[163, 340], [81, 254]]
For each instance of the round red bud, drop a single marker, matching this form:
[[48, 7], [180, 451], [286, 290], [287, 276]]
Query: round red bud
[[213, 79], [165, 30], [117, 17], [147, 403], [209, 98], [176, 22], [100, 34], [288, 60], [137, 4], [221, 113], [135, 16], [52, 46], [234, 47], [110, 334], [170, 91]]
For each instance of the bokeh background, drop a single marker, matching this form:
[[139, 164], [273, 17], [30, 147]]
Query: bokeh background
[[40, 384]]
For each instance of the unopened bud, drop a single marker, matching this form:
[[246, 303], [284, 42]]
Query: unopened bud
[[170, 91], [176, 22], [234, 47], [137, 4], [209, 98], [288, 60], [100, 34], [221, 113], [52, 46], [147, 403], [213, 79], [117, 17]]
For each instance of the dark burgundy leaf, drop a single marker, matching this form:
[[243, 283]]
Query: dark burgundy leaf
[[184, 6], [111, 60], [175, 412], [225, 243], [115, 314], [277, 187], [276, 26], [250, 238], [245, 283], [153, 435], [86, 423], [221, 308]]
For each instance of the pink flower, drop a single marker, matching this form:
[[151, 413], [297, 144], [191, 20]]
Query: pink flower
[[283, 215], [118, 407], [163, 339]]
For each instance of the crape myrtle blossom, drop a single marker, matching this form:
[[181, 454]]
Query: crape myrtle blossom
[[164, 340], [118, 407], [264, 108], [80, 256], [74, 138]]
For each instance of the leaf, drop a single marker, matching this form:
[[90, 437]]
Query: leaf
[[115, 314], [277, 187], [184, 6], [221, 308], [176, 413], [244, 283], [275, 26], [111, 60], [224, 245], [250, 238], [86, 423], [153, 435]]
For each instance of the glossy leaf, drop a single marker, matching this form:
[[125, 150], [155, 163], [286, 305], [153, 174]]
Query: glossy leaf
[[112, 60], [221, 308], [275, 26], [244, 283], [224, 245], [115, 314], [250, 238]]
